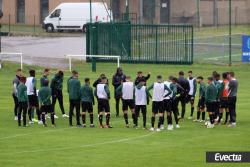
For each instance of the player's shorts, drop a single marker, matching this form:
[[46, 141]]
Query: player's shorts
[[46, 109], [157, 107], [175, 105], [87, 106], [103, 105], [33, 101], [128, 104], [224, 102], [167, 105], [190, 98], [201, 103], [142, 108], [211, 106]]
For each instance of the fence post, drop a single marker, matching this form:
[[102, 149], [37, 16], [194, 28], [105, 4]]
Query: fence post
[[230, 32], [21, 61], [156, 43], [192, 48], [94, 35], [217, 17], [186, 44], [70, 65], [236, 14], [9, 23], [34, 28], [198, 13]]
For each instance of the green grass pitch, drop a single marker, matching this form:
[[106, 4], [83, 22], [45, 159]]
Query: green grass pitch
[[62, 146]]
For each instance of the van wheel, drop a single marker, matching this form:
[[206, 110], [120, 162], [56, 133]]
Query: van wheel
[[49, 28]]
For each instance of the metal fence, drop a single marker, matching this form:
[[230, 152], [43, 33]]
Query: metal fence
[[195, 12], [30, 25], [137, 43], [215, 49]]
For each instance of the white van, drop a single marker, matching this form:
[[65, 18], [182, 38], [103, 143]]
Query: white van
[[75, 16]]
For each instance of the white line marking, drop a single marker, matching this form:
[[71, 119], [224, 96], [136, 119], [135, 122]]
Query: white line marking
[[81, 146], [47, 131], [216, 58], [26, 134]]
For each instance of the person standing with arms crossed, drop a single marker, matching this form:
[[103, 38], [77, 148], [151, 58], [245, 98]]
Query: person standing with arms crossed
[[183, 97], [74, 87], [232, 98], [211, 100], [192, 91], [44, 97], [16, 82], [118, 78], [22, 101], [31, 84], [44, 78], [103, 96], [87, 101], [56, 86]]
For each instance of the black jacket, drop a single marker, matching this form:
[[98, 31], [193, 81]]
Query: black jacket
[[184, 84], [118, 79], [137, 80], [99, 80]]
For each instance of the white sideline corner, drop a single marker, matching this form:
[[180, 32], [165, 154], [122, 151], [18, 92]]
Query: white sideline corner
[[11, 54], [91, 56]]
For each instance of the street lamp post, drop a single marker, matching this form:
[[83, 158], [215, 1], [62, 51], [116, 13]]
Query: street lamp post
[[127, 11], [90, 3], [90, 33], [198, 13], [1, 15], [230, 32]]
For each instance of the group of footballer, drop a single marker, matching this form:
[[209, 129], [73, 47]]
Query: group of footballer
[[217, 96]]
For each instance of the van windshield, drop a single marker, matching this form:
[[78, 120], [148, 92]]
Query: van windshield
[[56, 13]]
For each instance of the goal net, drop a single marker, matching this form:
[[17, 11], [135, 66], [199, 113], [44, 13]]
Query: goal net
[[12, 57], [93, 59]]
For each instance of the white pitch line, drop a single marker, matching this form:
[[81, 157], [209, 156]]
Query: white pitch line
[[82, 146], [26, 134], [216, 58], [47, 131]]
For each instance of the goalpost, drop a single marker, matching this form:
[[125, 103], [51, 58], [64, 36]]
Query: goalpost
[[70, 57], [8, 56]]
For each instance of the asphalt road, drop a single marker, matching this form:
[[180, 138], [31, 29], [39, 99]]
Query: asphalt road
[[44, 51]]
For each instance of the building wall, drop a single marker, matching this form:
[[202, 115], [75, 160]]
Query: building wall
[[240, 10], [183, 11], [32, 12], [8, 8]]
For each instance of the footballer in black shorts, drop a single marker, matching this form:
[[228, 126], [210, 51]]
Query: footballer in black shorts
[[128, 104], [87, 101], [224, 102], [87, 107], [201, 102], [126, 89], [211, 101], [103, 95], [211, 106], [103, 106], [33, 101], [159, 89], [167, 105], [157, 107]]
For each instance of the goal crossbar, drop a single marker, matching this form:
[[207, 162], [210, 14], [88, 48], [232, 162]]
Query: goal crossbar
[[92, 56], [11, 54]]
